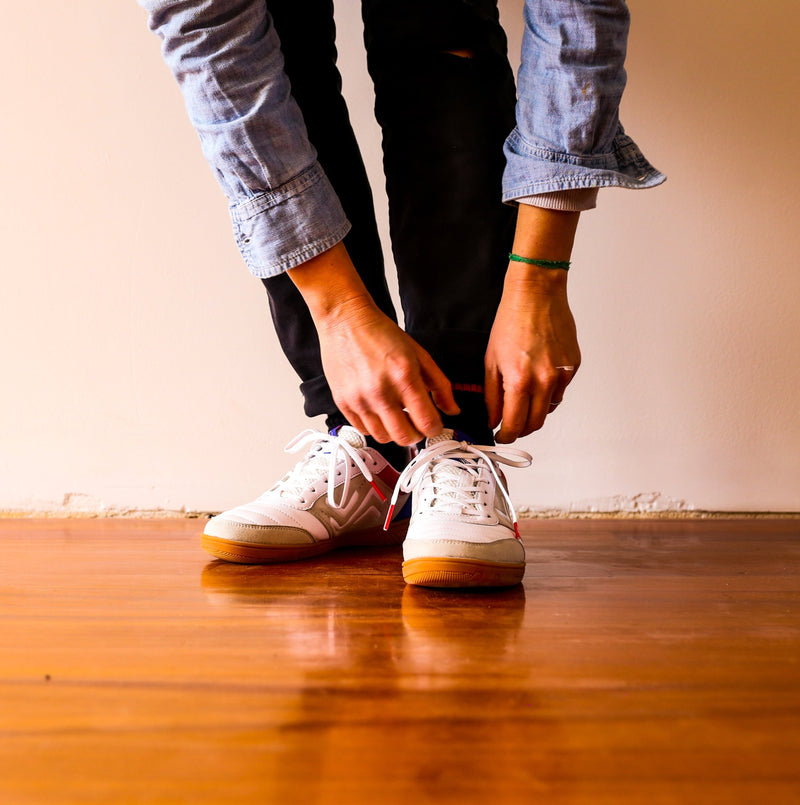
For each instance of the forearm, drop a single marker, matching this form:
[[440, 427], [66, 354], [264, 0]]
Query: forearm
[[540, 234]]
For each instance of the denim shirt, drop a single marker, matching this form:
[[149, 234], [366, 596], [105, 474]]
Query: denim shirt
[[570, 83], [226, 57]]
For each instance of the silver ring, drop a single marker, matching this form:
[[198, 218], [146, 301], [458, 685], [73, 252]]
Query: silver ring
[[566, 368], [553, 405]]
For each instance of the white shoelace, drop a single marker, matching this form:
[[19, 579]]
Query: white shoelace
[[322, 458], [448, 461]]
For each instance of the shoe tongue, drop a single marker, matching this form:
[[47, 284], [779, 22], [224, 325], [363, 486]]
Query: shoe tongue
[[454, 478], [351, 436], [448, 434], [445, 436]]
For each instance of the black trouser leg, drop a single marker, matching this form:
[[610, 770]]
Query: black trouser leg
[[307, 34], [444, 119]]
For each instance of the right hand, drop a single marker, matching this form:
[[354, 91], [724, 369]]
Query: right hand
[[385, 383]]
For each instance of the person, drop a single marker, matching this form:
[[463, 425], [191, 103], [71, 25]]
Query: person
[[485, 192]]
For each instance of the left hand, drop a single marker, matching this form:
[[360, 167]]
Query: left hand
[[532, 355]]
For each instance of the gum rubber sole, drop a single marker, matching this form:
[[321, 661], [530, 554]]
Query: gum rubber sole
[[253, 553], [248, 553], [433, 572]]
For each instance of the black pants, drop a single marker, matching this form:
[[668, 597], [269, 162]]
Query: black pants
[[444, 118]]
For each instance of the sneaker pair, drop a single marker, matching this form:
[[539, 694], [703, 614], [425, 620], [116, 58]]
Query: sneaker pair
[[461, 532]]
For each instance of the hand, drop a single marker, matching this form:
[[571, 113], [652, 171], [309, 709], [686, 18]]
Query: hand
[[380, 377], [532, 355]]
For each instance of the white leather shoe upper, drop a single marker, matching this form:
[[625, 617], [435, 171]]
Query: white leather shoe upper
[[461, 507]]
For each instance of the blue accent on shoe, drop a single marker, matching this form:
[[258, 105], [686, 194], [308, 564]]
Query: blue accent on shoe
[[405, 512]]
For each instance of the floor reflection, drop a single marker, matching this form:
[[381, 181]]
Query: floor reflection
[[352, 610], [392, 683]]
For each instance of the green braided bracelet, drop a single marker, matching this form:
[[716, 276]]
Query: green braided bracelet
[[565, 264]]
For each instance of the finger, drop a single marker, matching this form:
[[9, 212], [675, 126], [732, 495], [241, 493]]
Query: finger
[[565, 376], [493, 395], [541, 402], [423, 414], [382, 415], [399, 427], [569, 370], [354, 419], [551, 408], [536, 416], [436, 381], [375, 427], [558, 395], [516, 406]]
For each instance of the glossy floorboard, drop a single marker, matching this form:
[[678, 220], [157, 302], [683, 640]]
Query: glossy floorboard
[[640, 662]]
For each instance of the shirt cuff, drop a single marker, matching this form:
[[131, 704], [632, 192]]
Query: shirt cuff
[[533, 170], [285, 227], [579, 200]]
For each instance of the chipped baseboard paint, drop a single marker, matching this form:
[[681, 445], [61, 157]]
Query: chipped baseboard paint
[[81, 505], [109, 512], [695, 514], [644, 505]]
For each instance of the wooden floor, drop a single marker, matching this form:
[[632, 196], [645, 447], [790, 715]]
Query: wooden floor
[[640, 662]]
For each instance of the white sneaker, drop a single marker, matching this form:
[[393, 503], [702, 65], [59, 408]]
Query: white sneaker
[[335, 497], [463, 530]]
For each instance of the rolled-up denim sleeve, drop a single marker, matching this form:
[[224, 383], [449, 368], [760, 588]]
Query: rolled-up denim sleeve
[[226, 57], [568, 136]]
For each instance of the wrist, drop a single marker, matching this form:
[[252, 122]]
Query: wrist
[[349, 310], [331, 287], [545, 235], [523, 280]]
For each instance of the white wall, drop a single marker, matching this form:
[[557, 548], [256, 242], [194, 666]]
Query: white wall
[[139, 369]]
